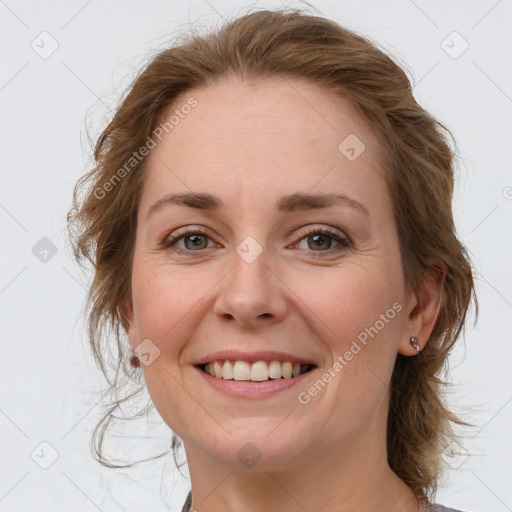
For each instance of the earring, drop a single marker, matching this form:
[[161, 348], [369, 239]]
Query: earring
[[134, 360], [415, 343]]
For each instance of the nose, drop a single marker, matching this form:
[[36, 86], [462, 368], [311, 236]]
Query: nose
[[252, 295]]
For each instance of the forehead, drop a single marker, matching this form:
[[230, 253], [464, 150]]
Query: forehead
[[264, 138]]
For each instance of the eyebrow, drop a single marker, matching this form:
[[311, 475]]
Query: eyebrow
[[290, 203]]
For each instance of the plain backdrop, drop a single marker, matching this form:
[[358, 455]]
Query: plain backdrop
[[63, 66]]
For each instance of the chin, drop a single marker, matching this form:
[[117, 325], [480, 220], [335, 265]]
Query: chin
[[254, 449]]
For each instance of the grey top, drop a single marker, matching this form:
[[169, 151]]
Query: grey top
[[439, 508], [188, 503], [423, 508]]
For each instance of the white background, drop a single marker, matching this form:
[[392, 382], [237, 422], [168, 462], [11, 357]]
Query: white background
[[49, 385]]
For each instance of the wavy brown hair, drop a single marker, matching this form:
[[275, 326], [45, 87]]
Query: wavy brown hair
[[418, 167]]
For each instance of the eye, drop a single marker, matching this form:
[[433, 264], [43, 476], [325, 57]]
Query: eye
[[320, 239], [193, 238], [196, 238]]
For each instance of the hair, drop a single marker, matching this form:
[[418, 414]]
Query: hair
[[418, 166]]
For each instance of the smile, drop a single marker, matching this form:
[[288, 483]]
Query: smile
[[257, 371]]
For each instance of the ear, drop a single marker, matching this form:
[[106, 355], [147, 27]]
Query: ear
[[422, 308], [128, 320]]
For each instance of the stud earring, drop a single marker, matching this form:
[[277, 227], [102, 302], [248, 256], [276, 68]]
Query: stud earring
[[415, 343], [134, 360]]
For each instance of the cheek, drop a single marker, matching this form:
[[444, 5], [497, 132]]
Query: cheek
[[356, 315], [169, 304], [346, 300], [355, 312]]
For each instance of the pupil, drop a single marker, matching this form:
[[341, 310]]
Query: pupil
[[196, 240], [320, 238]]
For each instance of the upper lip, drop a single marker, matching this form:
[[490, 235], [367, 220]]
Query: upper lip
[[251, 357]]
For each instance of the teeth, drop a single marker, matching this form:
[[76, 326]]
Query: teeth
[[241, 370], [274, 370], [257, 371], [227, 370], [217, 369]]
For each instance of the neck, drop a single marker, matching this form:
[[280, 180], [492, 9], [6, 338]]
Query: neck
[[354, 477]]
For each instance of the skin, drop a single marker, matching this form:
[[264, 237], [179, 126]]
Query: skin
[[249, 144]]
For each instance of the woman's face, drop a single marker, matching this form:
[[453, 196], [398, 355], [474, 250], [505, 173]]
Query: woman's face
[[246, 277]]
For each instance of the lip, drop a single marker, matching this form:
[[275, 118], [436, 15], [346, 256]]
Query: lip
[[252, 357], [252, 390]]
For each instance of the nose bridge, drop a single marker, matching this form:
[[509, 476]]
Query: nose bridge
[[251, 293]]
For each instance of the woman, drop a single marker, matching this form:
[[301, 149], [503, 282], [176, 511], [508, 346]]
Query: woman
[[270, 226]]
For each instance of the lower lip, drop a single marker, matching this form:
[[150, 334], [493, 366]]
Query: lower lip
[[249, 389]]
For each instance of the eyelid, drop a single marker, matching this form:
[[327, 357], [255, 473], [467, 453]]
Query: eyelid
[[179, 233], [341, 238], [325, 230]]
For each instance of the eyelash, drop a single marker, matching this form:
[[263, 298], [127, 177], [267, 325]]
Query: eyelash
[[344, 241]]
